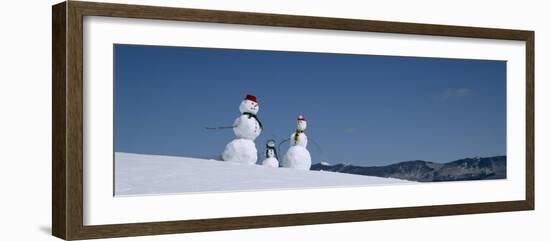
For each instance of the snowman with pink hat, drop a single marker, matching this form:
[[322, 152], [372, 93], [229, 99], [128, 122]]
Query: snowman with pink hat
[[297, 156], [247, 127]]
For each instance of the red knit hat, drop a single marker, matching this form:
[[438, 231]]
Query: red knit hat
[[301, 117], [251, 98]]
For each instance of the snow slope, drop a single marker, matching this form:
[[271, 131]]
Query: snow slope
[[138, 174]]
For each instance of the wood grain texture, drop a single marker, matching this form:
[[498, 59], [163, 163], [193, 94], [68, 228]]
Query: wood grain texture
[[280, 20], [74, 121], [155, 228], [67, 154], [59, 183], [530, 120]]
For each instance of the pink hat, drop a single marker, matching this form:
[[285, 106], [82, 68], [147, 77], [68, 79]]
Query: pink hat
[[301, 117]]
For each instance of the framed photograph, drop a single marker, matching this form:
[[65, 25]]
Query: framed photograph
[[170, 120]]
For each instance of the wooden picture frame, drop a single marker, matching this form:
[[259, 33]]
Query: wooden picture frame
[[67, 124]]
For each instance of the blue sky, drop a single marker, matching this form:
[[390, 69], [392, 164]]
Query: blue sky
[[361, 109]]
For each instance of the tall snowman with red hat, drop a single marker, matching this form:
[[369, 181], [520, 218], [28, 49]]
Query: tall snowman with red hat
[[297, 156], [247, 128]]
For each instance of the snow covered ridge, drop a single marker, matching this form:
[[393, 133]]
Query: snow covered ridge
[[477, 168], [140, 174]]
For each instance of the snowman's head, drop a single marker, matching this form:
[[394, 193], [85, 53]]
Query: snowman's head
[[249, 105], [301, 125]]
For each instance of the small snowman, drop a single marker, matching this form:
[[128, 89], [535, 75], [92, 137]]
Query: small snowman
[[270, 155], [297, 156], [247, 128]]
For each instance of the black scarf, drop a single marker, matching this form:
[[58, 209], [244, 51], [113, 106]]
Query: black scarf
[[250, 115]]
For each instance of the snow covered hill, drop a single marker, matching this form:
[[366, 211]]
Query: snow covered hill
[[138, 174]]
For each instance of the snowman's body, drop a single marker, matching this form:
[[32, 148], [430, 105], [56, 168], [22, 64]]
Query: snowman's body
[[246, 128], [297, 156], [271, 159], [300, 140], [240, 150]]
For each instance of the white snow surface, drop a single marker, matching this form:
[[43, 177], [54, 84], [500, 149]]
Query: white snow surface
[[297, 157], [249, 106], [245, 126], [300, 141], [139, 174], [270, 162], [240, 151]]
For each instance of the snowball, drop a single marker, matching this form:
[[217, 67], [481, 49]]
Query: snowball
[[270, 162], [301, 125], [249, 106], [246, 127], [297, 157], [302, 140], [240, 151]]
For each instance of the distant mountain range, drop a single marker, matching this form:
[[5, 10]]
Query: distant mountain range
[[423, 171]]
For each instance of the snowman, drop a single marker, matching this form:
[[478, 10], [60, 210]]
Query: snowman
[[246, 128], [297, 156], [271, 155]]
